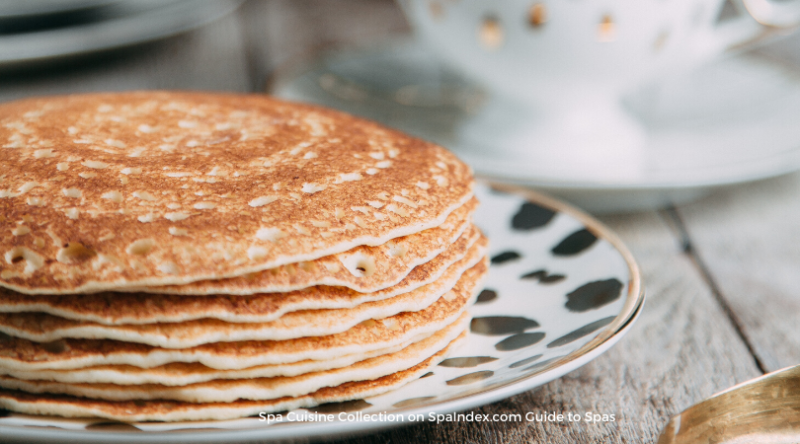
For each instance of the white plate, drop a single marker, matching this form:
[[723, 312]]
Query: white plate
[[731, 121], [31, 8], [581, 295], [118, 24]]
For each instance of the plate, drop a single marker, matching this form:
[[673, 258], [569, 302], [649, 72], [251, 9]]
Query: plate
[[729, 122], [116, 24], [561, 290], [32, 8]]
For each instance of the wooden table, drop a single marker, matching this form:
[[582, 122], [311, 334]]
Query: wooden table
[[722, 274]]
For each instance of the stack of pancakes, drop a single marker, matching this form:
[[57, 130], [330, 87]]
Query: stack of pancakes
[[186, 256]]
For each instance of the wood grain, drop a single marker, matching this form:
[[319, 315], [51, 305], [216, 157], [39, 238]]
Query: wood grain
[[748, 238]]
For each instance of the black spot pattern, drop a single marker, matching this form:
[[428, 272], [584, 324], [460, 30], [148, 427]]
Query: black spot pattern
[[594, 295], [575, 243], [4, 413], [581, 332], [505, 256], [531, 216], [540, 365], [543, 277], [525, 361], [467, 362], [519, 341], [486, 296], [501, 325], [113, 426], [413, 401], [337, 407], [469, 378]]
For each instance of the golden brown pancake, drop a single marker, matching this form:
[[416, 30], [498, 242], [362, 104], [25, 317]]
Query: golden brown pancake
[[187, 255], [166, 188], [183, 373], [364, 269], [145, 308], [23, 354], [231, 389], [73, 406], [42, 327]]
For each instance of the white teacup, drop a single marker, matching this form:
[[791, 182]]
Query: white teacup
[[571, 61]]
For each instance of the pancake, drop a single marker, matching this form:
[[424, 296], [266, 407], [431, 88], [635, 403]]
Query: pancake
[[72, 406], [364, 269], [167, 188], [185, 255], [260, 388], [180, 373], [43, 327], [140, 308], [22, 354]]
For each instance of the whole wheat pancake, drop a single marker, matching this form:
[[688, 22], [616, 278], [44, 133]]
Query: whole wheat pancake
[[142, 308], [167, 188], [181, 373], [71, 406], [23, 354], [364, 269], [43, 327], [227, 390]]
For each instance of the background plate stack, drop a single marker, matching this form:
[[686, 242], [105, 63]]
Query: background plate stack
[[186, 256]]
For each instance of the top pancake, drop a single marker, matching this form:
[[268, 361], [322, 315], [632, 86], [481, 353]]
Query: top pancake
[[137, 189]]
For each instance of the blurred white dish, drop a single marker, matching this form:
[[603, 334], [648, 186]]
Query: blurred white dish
[[114, 25], [16, 8], [729, 122], [568, 64]]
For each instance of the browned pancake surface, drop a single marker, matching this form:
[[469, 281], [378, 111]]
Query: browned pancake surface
[[72, 406], [363, 268], [143, 308], [159, 188], [22, 354]]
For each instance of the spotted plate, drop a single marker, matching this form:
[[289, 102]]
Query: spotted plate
[[562, 289]]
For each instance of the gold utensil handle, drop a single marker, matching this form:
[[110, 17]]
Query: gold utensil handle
[[765, 409]]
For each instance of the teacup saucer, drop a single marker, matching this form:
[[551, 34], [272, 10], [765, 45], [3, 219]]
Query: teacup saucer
[[732, 121]]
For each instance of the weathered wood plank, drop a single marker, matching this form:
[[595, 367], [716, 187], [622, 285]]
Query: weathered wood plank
[[209, 58], [748, 238], [682, 350]]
